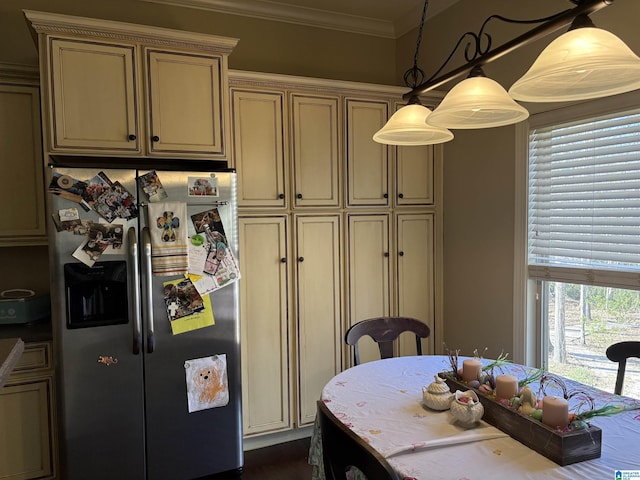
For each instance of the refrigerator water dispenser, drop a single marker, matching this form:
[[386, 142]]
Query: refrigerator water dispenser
[[96, 296]]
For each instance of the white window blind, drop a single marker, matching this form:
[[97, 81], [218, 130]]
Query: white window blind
[[584, 196]]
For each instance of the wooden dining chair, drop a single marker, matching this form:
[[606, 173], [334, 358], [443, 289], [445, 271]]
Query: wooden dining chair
[[384, 330], [619, 352], [343, 449]]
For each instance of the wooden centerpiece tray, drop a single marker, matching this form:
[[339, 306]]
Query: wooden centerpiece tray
[[563, 447]]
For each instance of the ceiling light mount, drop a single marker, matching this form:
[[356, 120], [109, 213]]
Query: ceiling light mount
[[408, 126], [478, 49]]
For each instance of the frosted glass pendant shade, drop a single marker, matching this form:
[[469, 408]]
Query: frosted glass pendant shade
[[477, 102], [408, 127], [581, 64]]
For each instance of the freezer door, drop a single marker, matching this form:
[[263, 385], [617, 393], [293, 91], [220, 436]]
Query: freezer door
[[183, 445], [99, 376]]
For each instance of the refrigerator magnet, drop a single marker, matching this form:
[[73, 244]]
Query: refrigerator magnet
[[207, 385], [203, 186]]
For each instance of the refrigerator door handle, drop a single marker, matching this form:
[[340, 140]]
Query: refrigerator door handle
[[146, 245], [135, 285]]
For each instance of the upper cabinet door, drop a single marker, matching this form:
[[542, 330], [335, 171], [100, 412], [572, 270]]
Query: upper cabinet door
[[367, 161], [94, 97], [258, 139], [315, 141], [414, 175], [21, 191], [185, 99]]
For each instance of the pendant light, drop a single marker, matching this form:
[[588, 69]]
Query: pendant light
[[408, 125], [477, 102], [584, 63]]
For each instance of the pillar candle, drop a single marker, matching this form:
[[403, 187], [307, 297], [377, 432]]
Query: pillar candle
[[471, 369], [506, 386], [555, 412]]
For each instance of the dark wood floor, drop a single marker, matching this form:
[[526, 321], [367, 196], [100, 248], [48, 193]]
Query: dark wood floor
[[286, 461]]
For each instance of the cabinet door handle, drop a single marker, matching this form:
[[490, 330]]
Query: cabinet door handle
[[386, 254], [299, 195], [386, 195], [155, 138], [281, 196], [400, 195], [132, 137], [283, 260], [401, 254], [301, 259]]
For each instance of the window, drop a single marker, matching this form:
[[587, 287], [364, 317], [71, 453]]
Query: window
[[583, 240]]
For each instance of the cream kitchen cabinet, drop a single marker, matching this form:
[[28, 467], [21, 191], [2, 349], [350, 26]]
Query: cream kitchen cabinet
[[315, 150], [368, 165], [112, 88], [261, 120], [415, 175], [318, 305], [21, 164], [391, 272], [415, 274], [27, 436], [286, 361], [369, 272], [264, 324], [259, 147], [93, 97], [334, 228]]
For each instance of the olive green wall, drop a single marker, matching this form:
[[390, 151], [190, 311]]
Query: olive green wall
[[265, 46]]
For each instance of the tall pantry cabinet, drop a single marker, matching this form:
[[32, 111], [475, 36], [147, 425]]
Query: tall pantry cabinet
[[334, 228]]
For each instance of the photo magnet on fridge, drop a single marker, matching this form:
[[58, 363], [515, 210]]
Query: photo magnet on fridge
[[152, 186], [203, 186]]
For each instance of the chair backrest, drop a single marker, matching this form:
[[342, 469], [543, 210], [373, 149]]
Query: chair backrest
[[619, 352], [384, 330], [342, 449]]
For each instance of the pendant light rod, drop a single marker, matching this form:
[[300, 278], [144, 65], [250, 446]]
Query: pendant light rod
[[563, 19]]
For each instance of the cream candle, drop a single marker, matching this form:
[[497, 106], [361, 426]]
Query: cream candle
[[555, 412], [506, 386], [471, 369]]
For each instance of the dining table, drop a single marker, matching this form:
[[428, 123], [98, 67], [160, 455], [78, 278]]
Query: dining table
[[382, 402]]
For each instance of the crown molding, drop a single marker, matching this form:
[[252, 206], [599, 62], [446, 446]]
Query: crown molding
[[310, 17]]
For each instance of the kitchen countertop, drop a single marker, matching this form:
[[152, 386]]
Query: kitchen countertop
[[28, 332], [10, 352]]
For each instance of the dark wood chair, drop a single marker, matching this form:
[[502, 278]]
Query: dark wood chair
[[619, 352], [384, 330], [343, 449]]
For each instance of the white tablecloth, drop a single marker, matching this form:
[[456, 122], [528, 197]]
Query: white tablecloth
[[382, 402]]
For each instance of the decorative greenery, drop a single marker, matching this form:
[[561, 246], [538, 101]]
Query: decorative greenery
[[497, 363], [531, 377]]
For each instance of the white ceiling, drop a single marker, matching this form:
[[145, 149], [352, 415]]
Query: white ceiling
[[382, 18]]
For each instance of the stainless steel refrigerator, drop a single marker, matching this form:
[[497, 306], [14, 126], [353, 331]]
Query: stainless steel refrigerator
[[123, 410]]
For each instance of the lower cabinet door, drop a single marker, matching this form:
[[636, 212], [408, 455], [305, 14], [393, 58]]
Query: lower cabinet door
[[318, 308], [415, 276], [26, 419], [264, 325], [369, 279]]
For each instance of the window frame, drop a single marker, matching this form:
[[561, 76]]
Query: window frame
[[527, 308]]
